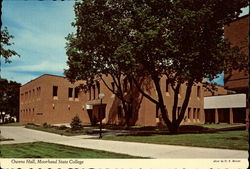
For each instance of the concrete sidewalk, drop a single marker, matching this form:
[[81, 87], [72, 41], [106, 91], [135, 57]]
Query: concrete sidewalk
[[21, 135]]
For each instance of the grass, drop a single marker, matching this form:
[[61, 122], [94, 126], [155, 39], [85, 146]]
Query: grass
[[66, 132], [49, 150], [217, 126], [226, 140], [12, 124]]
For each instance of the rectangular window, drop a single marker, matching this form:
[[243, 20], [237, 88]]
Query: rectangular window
[[198, 114], [167, 85], [70, 95], [194, 113], [76, 92], [157, 111], [189, 113], [89, 93], [93, 87], [55, 90], [198, 91], [98, 88]]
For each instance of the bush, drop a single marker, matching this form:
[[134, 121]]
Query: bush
[[46, 125], [76, 124], [62, 127]]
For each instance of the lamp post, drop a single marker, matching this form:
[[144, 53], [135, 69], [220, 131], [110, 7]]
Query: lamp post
[[101, 96]]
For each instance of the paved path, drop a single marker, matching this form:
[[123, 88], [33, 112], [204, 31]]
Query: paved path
[[22, 135]]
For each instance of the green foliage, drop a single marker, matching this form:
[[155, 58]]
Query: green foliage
[[49, 150], [76, 123], [9, 97], [237, 140], [181, 40], [46, 125], [5, 41]]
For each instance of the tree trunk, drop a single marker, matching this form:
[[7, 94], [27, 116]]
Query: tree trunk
[[161, 105]]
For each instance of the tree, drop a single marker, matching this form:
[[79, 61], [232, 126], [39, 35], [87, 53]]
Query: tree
[[181, 40], [185, 46], [95, 50], [4, 51], [9, 98], [5, 41]]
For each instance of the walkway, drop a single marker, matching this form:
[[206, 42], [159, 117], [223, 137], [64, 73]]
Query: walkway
[[22, 135]]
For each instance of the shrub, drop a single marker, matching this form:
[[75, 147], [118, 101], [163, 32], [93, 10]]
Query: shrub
[[46, 125], [62, 127], [76, 124]]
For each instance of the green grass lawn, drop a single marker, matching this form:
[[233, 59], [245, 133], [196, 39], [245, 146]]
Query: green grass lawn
[[227, 140], [217, 126], [49, 150], [56, 131]]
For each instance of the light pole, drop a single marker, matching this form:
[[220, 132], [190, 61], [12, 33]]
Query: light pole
[[101, 96]]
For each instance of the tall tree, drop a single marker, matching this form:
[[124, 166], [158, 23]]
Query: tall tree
[[95, 49], [180, 39]]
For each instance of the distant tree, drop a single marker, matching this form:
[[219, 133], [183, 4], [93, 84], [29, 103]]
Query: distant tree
[[9, 98], [181, 40]]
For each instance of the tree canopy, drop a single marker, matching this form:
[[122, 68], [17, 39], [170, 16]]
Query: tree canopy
[[5, 42], [9, 97], [181, 39]]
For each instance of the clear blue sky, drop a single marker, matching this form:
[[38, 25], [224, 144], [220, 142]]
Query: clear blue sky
[[40, 28]]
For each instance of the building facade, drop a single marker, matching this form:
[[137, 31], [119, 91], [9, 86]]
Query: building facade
[[237, 32], [54, 100]]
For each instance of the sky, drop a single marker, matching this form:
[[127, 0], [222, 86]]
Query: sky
[[39, 29]]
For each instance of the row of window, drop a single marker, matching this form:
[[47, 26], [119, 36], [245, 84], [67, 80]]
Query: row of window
[[72, 92], [195, 114], [94, 91], [27, 95]]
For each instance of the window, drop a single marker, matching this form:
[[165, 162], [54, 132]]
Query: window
[[198, 114], [76, 92], [70, 92], [157, 111], [93, 87], [194, 113], [189, 113], [89, 93], [198, 91], [55, 90], [167, 85], [98, 87]]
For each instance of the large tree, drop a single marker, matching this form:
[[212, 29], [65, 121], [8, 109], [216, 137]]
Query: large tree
[[95, 50], [182, 40]]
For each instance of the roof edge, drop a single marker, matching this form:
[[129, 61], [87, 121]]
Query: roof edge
[[42, 76]]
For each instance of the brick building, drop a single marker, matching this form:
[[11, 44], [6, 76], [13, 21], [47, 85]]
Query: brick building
[[229, 104], [54, 100], [237, 32]]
